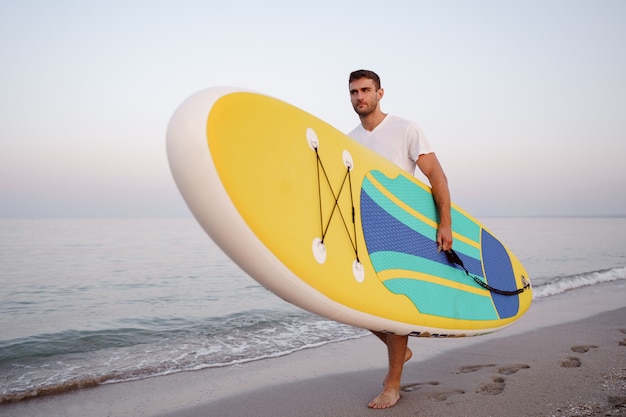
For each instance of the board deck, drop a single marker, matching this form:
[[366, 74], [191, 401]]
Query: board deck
[[331, 226]]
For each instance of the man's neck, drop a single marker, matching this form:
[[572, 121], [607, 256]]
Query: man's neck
[[370, 121]]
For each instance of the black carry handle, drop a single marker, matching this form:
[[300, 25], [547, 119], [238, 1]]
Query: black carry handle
[[454, 259]]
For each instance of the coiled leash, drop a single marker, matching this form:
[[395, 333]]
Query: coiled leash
[[454, 259]]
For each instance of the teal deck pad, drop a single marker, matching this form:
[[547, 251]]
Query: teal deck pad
[[442, 301]]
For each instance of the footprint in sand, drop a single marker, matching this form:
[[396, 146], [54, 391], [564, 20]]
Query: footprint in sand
[[511, 369], [416, 386], [442, 396], [571, 362], [582, 348], [495, 387], [622, 342], [474, 368]]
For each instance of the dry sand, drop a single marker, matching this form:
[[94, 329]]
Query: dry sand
[[566, 357]]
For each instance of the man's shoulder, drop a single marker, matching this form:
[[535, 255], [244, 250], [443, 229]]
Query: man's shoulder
[[397, 120]]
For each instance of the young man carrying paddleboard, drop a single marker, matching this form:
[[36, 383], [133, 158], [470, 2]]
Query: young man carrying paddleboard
[[404, 143]]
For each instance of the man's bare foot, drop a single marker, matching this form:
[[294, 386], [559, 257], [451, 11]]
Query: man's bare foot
[[398, 353], [389, 396], [386, 399]]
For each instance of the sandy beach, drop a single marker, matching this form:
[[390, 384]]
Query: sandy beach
[[566, 357]]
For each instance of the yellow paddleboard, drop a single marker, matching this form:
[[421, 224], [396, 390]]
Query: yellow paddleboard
[[333, 227]]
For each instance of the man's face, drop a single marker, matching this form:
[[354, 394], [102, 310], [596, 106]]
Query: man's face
[[364, 96]]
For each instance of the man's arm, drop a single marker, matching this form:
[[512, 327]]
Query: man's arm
[[430, 166]]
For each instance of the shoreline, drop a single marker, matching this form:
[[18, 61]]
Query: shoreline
[[497, 370], [571, 369]]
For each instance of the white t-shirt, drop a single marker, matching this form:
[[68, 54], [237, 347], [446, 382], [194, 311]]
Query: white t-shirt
[[399, 140]]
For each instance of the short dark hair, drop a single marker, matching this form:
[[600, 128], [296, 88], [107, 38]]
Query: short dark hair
[[371, 75]]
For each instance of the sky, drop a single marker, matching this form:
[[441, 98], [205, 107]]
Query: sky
[[523, 100]]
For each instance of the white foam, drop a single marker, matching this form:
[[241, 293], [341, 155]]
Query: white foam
[[563, 284]]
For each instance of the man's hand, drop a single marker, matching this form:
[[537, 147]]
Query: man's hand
[[444, 238]]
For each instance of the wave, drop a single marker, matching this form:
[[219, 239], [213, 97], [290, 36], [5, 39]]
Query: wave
[[51, 389], [560, 285], [50, 364]]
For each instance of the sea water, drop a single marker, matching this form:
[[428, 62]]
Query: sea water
[[87, 302]]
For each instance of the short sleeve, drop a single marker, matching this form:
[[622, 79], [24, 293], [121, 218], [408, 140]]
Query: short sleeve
[[417, 142]]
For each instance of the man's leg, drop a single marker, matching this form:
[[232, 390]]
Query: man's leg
[[398, 353]]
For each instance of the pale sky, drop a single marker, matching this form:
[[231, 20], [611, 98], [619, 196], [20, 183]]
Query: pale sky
[[524, 101]]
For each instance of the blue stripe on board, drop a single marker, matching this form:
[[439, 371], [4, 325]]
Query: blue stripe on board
[[421, 201], [385, 233], [499, 274], [399, 213], [443, 301], [419, 226]]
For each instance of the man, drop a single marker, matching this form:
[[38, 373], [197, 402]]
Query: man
[[402, 142]]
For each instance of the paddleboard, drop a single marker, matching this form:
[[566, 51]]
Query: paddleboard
[[333, 227]]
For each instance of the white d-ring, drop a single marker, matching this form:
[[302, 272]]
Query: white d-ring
[[358, 271], [319, 250], [311, 137], [347, 160]]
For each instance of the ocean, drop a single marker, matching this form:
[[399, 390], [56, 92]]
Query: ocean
[[87, 302]]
